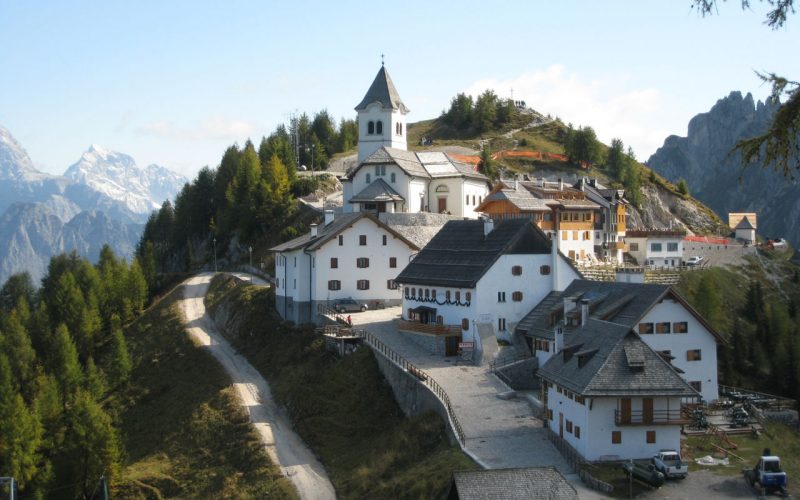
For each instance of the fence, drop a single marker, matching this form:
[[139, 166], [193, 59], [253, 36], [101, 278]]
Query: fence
[[423, 377], [578, 463], [432, 329], [330, 313]]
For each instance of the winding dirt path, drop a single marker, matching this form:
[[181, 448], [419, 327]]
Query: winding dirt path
[[284, 447]]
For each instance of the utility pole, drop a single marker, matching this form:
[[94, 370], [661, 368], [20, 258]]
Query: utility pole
[[215, 254]]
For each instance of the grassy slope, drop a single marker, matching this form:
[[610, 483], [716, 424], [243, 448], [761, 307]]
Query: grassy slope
[[342, 408], [183, 430]]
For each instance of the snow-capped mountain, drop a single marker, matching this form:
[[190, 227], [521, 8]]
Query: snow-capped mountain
[[117, 176], [15, 164]]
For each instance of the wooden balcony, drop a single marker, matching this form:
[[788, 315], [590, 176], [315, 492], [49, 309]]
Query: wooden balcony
[[653, 417], [430, 329], [616, 245]]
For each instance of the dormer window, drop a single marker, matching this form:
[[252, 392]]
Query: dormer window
[[379, 128], [371, 127]]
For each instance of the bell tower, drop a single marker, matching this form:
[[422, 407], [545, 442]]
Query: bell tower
[[381, 117]]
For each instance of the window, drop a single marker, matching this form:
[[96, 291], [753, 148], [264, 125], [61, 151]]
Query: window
[[408, 293], [693, 355], [362, 262], [564, 235], [433, 294], [655, 247], [696, 385], [362, 240], [392, 261], [516, 270], [362, 284], [391, 285], [634, 247], [663, 327], [680, 327], [295, 262], [334, 285], [447, 295], [578, 431], [645, 328], [473, 200], [334, 263], [385, 239], [341, 240], [501, 324], [277, 282], [544, 270], [516, 296], [371, 127], [427, 293], [616, 437], [294, 284], [550, 414], [575, 236], [458, 295], [672, 247], [587, 235], [379, 127], [393, 177], [651, 437], [414, 293], [465, 324], [501, 296], [468, 296], [369, 179], [467, 202], [569, 426]]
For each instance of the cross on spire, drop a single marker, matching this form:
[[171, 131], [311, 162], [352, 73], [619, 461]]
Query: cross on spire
[[381, 59]]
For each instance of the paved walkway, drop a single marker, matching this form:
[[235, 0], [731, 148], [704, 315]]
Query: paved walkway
[[499, 433]]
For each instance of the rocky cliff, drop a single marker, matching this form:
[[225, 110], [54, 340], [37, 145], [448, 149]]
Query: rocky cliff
[[715, 175]]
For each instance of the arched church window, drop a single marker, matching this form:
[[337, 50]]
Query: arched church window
[[371, 127], [379, 128]]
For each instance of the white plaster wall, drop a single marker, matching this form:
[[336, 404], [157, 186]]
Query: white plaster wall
[[369, 143], [698, 337], [664, 257], [585, 244], [565, 273], [573, 411], [472, 187], [417, 194], [359, 181], [634, 437], [294, 276], [347, 194], [454, 202], [378, 272], [641, 254]]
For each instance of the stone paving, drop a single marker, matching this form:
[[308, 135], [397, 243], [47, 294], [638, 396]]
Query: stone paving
[[499, 433]]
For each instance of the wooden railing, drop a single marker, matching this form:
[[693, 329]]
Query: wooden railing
[[423, 377], [430, 329], [654, 417]]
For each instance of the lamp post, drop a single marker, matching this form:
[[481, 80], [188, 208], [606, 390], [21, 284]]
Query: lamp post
[[215, 254], [250, 248]]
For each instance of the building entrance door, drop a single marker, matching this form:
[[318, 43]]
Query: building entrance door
[[560, 424], [442, 208]]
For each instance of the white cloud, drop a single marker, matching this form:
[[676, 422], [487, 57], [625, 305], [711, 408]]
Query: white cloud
[[609, 105], [212, 128]]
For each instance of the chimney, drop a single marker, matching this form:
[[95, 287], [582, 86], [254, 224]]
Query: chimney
[[555, 261], [560, 184], [558, 342], [569, 305], [593, 182], [584, 312], [488, 225], [516, 184], [328, 217], [314, 228], [541, 182]]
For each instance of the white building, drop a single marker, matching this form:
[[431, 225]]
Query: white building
[[389, 178], [657, 313], [350, 256], [474, 280], [610, 221], [656, 247], [611, 397], [745, 231]]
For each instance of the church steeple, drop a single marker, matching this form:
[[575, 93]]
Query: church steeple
[[381, 117]]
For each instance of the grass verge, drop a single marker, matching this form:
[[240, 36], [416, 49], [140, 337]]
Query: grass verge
[[184, 432], [341, 407]]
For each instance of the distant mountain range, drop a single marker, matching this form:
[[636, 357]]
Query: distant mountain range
[[103, 198], [715, 175]]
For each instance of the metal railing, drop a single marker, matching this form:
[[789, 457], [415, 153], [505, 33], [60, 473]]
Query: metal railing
[[432, 329], [423, 377], [649, 417], [331, 313], [505, 361]]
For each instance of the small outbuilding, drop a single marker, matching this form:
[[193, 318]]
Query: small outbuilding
[[746, 231], [545, 483]]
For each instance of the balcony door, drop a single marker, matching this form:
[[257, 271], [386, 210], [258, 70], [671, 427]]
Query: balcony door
[[625, 410], [647, 410]]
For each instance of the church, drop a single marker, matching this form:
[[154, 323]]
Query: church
[[389, 178]]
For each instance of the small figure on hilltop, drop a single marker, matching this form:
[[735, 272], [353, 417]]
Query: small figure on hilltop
[[349, 320]]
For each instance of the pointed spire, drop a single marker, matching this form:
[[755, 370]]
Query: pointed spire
[[382, 90]]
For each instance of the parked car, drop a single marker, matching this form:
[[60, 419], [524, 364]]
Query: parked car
[[348, 305], [694, 261], [645, 473], [669, 463]]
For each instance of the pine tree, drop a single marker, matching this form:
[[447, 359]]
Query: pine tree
[[66, 367], [615, 160], [16, 343], [119, 364], [136, 287], [17, 286], [707, 300], [94, 380], [20, 440]]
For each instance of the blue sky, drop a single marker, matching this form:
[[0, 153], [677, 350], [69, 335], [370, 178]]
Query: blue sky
[[176, 82]]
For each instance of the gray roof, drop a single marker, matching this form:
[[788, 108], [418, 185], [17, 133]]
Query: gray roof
[[425, 164], [745, 224], [614, 303], [378, 190], [604, 359], [327, 233], [460, 254], [521, 198], [382, 90], [545, 483]]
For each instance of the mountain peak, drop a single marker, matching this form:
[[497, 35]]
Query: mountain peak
[[15, 164]]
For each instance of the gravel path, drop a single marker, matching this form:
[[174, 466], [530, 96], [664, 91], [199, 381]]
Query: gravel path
[[284, 447]]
